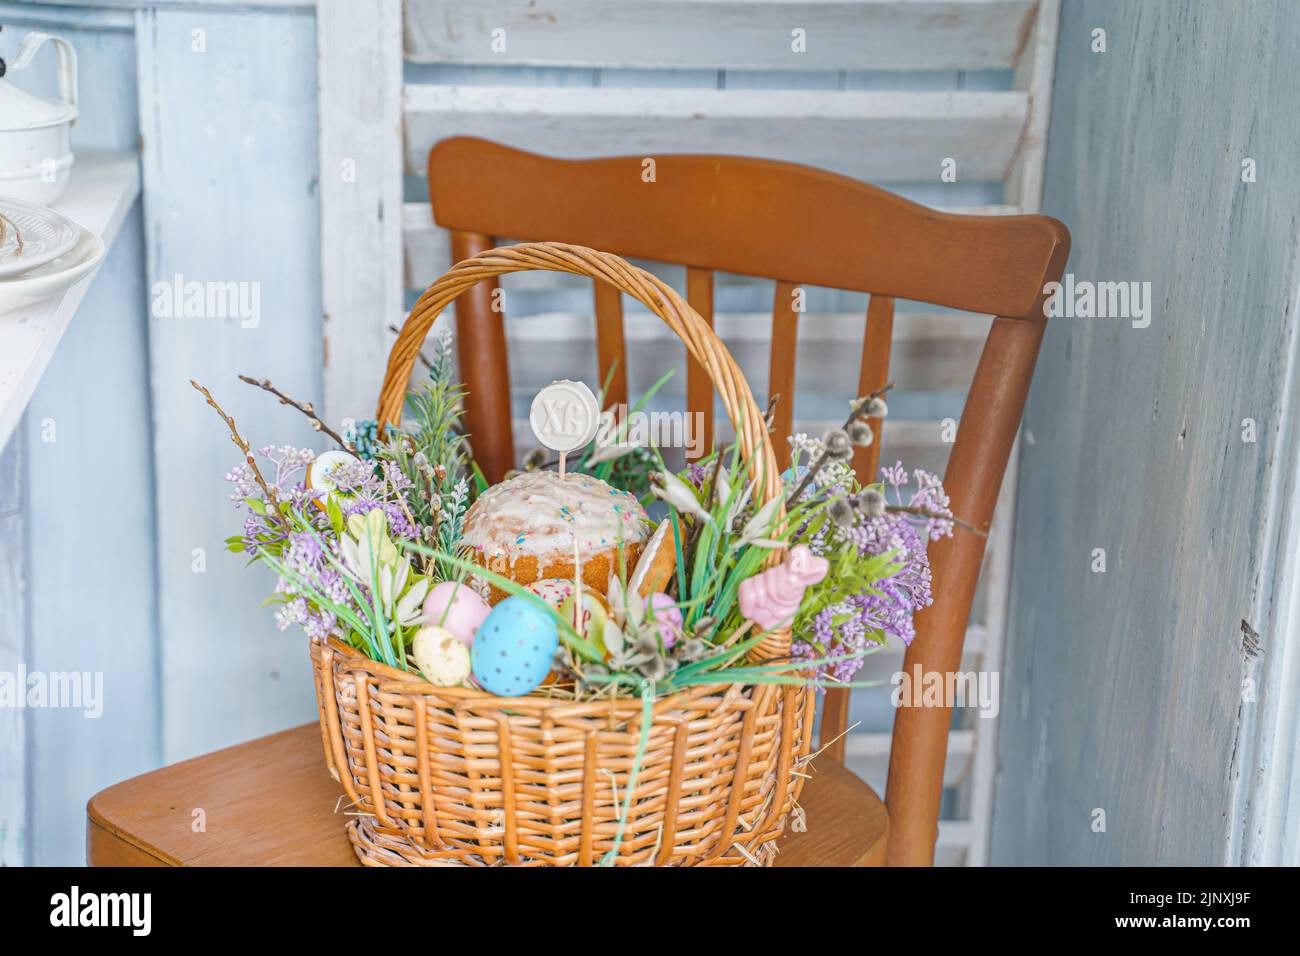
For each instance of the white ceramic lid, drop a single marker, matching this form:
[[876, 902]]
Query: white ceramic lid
[[21, 110]]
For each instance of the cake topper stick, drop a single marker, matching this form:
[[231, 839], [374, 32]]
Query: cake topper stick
[[577, 578], [564, 417]]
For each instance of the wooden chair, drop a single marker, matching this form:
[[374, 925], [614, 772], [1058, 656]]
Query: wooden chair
[[799, 226], [791, 223]]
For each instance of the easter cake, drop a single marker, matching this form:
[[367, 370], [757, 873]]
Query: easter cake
[[528, 528]]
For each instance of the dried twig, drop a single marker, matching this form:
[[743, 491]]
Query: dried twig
[[305, 407], [5, 225], [242, 444], [926, 513]]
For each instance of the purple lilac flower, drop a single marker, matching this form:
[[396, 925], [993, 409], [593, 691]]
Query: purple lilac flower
[[863, 618], [313, 573]]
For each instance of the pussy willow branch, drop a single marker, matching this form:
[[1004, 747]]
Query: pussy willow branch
[[305, 407], [242, 444], [926, 513], [858, 412]]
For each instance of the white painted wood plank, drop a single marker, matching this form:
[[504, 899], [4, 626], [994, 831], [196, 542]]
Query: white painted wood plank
[[1265, 772], [190, 6], [930, 351], [720, 34], [24, 15], [909, 133], [995, 582], [1136, 674], [1024, 187], [360, 128], [1264, 811], [13, 656], [1034, 75], [92, 402], [227, 673], [427, 249], [867, 755], [101, 190], [953, 845]]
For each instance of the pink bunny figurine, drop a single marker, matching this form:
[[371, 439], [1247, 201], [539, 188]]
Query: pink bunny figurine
[[770, 599]]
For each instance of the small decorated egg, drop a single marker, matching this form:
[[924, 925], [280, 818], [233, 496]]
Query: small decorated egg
[[458, 608], [514, 647], [320, 478], [669, 616], [559, 594], [595, 612], [440, 655], [554, 591]]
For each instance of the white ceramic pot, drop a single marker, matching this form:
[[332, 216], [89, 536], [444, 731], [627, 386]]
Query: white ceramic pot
[[35, 133]]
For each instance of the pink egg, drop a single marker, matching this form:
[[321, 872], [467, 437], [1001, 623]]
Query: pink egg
[[669, 616], [458, 608]]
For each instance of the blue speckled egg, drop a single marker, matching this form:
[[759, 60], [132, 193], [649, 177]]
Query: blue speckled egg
[[514, 647]]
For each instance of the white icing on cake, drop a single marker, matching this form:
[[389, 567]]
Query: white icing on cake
[[540, 514]]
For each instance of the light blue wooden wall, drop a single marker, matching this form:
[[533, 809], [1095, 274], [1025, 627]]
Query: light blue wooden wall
[[230, 196], [121, 504], [1123, 689], [89, 509], [135, 582]]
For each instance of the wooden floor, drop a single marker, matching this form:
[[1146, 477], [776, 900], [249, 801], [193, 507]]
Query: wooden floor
[[211, 811]]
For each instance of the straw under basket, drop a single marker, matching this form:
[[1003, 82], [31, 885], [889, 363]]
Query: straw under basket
[[445, 776]]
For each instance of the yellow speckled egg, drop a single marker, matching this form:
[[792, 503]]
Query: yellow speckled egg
[[442, 657]]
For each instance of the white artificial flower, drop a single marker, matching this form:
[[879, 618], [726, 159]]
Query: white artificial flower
[[680, 495], [411, 604], [757, 527], [604, 453]]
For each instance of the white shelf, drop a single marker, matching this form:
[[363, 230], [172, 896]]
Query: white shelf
[[99, 195]]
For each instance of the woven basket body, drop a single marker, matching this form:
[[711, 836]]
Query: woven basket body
[[445, 776]]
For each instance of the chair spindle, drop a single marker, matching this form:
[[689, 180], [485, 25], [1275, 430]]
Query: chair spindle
[[481, 348], [699, 387], [780, 378], [611, 345]]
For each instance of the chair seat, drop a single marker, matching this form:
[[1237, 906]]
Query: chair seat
[[847, 822], [231, 808]]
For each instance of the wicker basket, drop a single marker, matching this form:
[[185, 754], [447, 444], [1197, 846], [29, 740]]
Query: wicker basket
[[445, 776]]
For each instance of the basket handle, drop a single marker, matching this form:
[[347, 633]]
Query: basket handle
[[661, 299]]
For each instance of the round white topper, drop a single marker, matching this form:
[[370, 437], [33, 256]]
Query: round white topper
[[565, 416]]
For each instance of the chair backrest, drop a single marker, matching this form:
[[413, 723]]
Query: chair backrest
[[796, 225]]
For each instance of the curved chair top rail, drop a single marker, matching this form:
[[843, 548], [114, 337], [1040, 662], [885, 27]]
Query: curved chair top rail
[[833, 231]]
